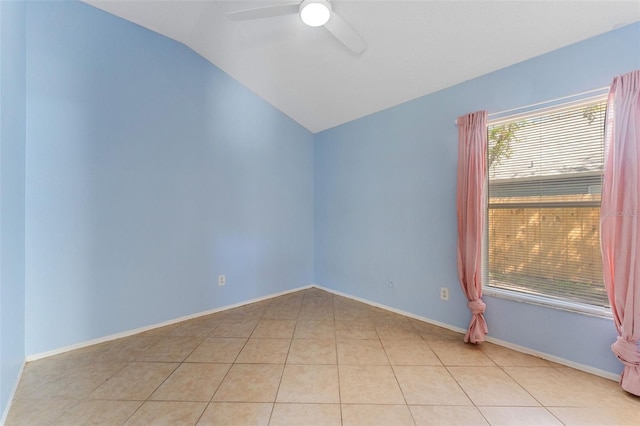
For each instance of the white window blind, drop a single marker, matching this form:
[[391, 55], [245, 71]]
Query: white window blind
[[545, 177]]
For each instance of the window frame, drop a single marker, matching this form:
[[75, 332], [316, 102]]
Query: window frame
[[513, 295]]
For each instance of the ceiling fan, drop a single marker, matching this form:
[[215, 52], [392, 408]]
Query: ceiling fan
[[315, 13]]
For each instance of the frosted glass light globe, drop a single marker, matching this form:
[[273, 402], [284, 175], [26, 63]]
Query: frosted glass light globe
[[315, 13]]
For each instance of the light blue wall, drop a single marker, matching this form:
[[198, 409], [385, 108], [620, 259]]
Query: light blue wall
[[150, 172], [12, 169], [385, 199]]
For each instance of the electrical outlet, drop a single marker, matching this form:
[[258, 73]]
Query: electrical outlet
[[444, 293], [221, 280]]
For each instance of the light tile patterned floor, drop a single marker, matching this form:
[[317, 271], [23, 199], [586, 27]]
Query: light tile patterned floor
[[310, 358]]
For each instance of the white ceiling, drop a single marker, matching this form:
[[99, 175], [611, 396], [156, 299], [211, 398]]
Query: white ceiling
[[414, 47]]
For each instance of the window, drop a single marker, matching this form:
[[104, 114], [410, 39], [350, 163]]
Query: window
[[545, 175]]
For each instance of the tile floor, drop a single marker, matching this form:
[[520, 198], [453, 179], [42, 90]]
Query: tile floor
[[310, 358]]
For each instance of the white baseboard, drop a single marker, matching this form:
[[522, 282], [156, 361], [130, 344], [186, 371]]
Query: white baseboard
[[128, 333], [523, 349], [394, 310], [553, 358], [12, 395]]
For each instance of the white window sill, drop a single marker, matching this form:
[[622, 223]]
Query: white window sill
[[578, 308]]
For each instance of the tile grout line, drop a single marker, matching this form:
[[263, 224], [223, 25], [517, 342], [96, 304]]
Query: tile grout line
[[225, 374], [335, 339], [165, 379], [530, 394], [275, 398], [395, 376]]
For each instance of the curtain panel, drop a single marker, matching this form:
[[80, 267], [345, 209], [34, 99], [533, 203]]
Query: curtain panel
[[620, 222], [471, 207]]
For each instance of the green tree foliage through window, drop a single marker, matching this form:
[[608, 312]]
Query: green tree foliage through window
[[500, 139]]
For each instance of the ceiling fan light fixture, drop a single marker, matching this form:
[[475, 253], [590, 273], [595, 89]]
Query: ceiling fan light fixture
[[315, 13]]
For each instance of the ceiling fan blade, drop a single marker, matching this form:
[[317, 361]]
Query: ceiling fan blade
[[264, 12], [345, 34]]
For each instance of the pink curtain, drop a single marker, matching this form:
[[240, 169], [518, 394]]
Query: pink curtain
[[620, 222], [472, 172]]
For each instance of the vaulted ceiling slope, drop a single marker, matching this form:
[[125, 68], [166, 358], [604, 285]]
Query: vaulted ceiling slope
[[413, 47]]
